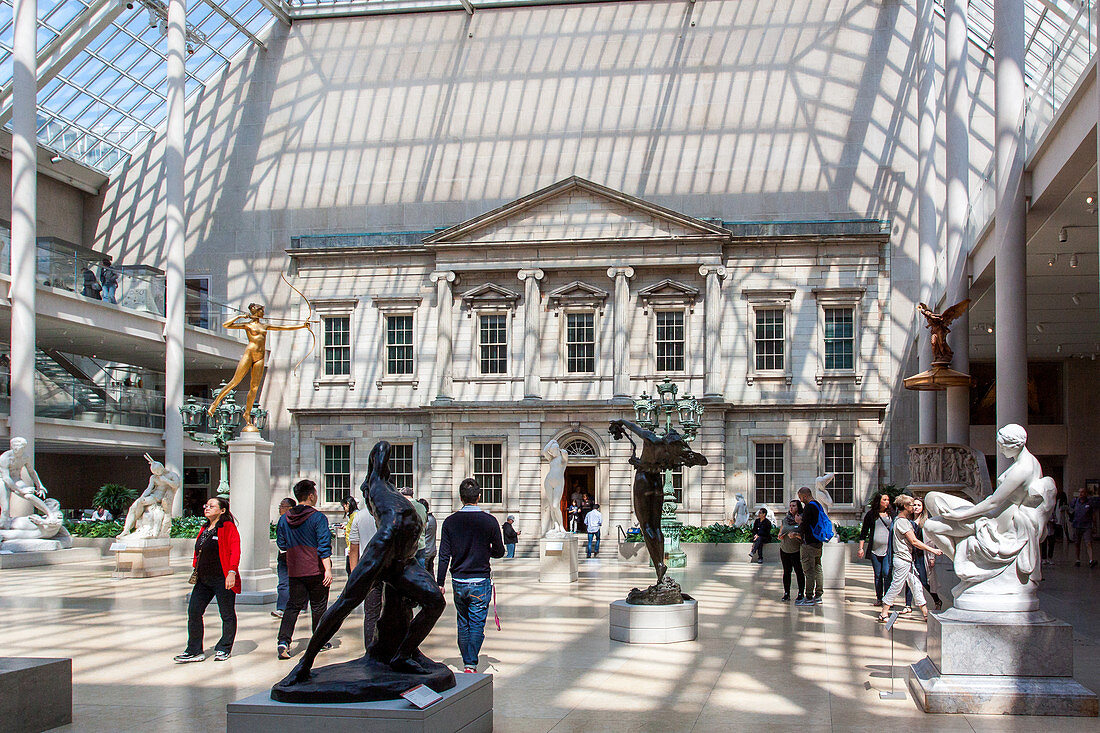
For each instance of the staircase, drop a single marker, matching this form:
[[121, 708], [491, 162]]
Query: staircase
[[63, 393]]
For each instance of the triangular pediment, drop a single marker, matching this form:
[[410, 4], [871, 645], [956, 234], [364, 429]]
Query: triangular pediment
[[668, 292], [489, 295], [577, 293], [577, 210]]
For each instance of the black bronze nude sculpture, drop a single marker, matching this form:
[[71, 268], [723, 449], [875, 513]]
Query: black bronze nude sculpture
[[393, 663], [659, 453]]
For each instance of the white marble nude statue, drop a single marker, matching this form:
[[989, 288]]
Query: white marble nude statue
[[994, 544], [150, 516], [553, 488], [18, 477]]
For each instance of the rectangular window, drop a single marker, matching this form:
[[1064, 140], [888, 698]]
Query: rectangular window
[[768, 473], [493, 336], [489, 471], [840, 460], [399, 345], [401, 465], [337, 471], [196, 302], [678, 484], [839, 339], [337, 346], [670, 341], [580, 343], [769, 339]]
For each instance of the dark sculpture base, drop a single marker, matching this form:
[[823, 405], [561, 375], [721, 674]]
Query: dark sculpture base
[[362, 680], [665, 593]]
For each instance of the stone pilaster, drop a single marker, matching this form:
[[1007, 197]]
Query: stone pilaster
[[622, 329], [444, 304], [532, 300], [712, 341]]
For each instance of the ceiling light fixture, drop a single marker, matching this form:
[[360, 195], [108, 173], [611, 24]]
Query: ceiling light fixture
[[989, 328], [56, 159], [1063, 235], [1040, 327], [1058, 349], [1073, 261], [1090, 203], [1076, 298], [1052, 260]]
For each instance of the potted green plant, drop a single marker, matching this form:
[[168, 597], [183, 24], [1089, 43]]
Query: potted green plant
[[115, 498]]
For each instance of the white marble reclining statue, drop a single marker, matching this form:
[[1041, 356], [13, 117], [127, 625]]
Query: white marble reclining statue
[[150, 516], [994, 544], [18, 478]]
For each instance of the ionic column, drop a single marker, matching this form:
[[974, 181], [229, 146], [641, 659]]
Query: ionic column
[[927, 233], [957, 109], [174, 245], [24, 204], [444, 303], [531, 322], [712, 341], [621, 379], [1010, 273]]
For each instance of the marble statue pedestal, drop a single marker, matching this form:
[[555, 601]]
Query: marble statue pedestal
[[654, 624], [999, 664], [834, 564], [467, 707], [143, 558], [558, 559], [38, 694], [250, 492], [34, 558]]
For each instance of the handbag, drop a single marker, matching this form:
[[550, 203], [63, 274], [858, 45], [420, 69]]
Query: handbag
[[194, 576]]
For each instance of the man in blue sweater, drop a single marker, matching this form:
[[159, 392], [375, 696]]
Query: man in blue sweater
[[304, 535], [470, 537]]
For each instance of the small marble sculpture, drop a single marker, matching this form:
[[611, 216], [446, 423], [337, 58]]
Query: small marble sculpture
[[938, 324], [659, 454], [553, 488], [18, 477], [150, 516], [994, 544], [740, 511], [821, 493], [394, 662]]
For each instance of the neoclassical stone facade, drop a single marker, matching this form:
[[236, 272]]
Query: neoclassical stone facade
[[473, 346]]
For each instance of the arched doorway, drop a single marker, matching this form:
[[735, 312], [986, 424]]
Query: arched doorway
[[580, 478]]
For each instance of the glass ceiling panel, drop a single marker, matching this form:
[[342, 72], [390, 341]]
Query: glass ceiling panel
[[111, 96]]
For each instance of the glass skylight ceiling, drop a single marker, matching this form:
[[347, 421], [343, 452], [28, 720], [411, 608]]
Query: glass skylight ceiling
[[112, 95]]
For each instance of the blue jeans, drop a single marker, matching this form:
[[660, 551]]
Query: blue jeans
[[109, 292], [282, 590], [510, 550], [881, 567], [593, 547], [471, 608]]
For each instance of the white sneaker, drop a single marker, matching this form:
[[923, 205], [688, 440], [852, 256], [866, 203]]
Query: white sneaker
[[185, 658]]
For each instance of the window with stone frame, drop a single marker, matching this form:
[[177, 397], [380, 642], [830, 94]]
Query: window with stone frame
[[336, 471], [337, 348], [840, 460], [770, 339], [493, 343], [678, 484], [580, 342], [399, 345], [401, 465], [839, 339], [670, 340], [488, 471], [769, 473]]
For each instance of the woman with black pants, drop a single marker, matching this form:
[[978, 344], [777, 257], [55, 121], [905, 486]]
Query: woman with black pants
[[216, 575], [874, 538], [790, 547]]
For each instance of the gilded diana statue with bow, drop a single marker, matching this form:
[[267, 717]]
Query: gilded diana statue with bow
[[252, 361]]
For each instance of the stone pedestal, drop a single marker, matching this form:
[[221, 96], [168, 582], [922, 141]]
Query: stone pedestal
[[654, 624], [558, 559], [250, 500], [468, 707], [49, 557], [143, 558], [38, 694], [999, 663], [834, 564]]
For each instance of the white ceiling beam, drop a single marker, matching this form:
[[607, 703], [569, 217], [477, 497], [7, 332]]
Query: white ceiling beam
[[233, 22], [74, 38], [278, 9]]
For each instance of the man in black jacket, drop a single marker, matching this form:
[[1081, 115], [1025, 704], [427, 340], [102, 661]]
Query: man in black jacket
[[810, 554], [511, 536], [469, 538]]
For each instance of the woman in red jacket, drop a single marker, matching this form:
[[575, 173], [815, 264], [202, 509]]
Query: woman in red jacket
[[217, 575]]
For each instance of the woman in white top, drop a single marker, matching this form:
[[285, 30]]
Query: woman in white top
[[904, 574]]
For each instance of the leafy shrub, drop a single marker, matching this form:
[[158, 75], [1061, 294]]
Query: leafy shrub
[[723, 533], [187, 526], [93, 529], [115, 498]]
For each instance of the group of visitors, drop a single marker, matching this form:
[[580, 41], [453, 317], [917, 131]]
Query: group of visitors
[[1072, 521], [892, 536], [100, 285], [470, 537], [803, 531], [580, 504]]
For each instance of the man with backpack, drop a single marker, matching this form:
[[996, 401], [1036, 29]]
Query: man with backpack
[[815, 530]]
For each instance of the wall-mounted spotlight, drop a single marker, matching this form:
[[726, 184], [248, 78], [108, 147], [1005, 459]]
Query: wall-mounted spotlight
[[56, 159], [1090, 203], [989, 328], [1063, 235], [1073, 261], [1076, 298], [1040, 327], [1058, 349], [1052, 260]]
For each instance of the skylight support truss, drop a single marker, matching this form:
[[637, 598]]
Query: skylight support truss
[[233, 21]]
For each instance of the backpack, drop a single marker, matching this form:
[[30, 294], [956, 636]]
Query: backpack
[[823, 529]]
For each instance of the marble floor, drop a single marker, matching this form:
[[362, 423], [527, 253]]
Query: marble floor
[[758, 664]]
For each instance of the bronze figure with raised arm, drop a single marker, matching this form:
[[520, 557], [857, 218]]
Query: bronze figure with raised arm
[[252, 362], [939, 324], [659, 453]]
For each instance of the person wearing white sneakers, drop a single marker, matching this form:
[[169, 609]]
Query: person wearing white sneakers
[[216, 574]]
